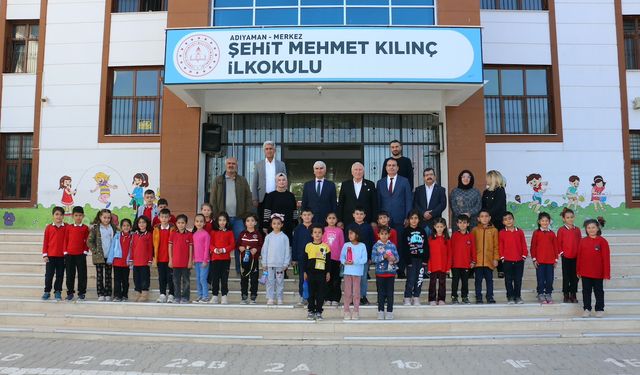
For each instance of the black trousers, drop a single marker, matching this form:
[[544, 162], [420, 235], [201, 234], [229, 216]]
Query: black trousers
[[513, 272], [460, 276], [73, 264], [334, 292], [385, 286], [595, 285], [317, 281], [55, 266], [165, 278], [439, 279], [219, 271], [121, 282], [182, 283], [103, 279], [141, 278], [569, 277], [249, 277]]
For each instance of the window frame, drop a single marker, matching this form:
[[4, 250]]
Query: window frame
[[164, 7], [635, 36], [159, 102], [632, 162], [544, 6], [19, 165], [10, 41]]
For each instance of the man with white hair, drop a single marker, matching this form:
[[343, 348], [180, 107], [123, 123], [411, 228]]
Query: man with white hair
[[357, 192], [264, 175], [319, 194]]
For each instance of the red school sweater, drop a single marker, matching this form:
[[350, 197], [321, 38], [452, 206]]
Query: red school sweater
[[594, 258], [53, 244], [512, 245], [125, 245], [463, 250], [439, 254], [251, 240], [568, 241], [544, 247], [142, 249], [222, 239], [75, 240]]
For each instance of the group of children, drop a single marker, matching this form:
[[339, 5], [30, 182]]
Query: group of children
[[330, 260]]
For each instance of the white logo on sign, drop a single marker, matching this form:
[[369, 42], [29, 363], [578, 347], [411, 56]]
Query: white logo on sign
[[197, 55]]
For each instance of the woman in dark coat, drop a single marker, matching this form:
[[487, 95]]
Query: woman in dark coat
[[280, 201], [465, 199]]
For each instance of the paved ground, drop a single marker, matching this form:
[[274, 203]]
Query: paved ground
[[65, 357]]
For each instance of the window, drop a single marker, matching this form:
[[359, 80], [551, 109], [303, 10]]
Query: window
[[635, 164], [15, 166], [135, 101], [123, 6], [22, 51], [323, 12], [517, 100], [515, 4], [631, 25]]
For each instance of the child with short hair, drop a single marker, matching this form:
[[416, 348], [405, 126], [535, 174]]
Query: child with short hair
[[161, 234], [334, 237], [544, 252], [513, 252], [487, 255], [463, 258], [119, 257], [201, 242], [383, 221], [366, 237], [593, 266], [181, 259], [141, 257], [222, 244], [414, 239], [317, 273], [301, 237], [206, 209], [276, 256], [99, 242], [569, 237], [75, 254], [439, 261], [162, 204], [149, 208], [250, 244], [53, 254], [385, 256]]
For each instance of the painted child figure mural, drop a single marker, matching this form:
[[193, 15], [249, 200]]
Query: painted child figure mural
[[539, 187], [103, 185]]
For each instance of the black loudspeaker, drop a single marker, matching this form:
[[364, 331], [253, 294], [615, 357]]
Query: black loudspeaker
[[211, 138]]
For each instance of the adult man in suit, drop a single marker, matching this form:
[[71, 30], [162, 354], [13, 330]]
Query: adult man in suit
[[319, 194], [357, 192], [395, 197], [430, 199], [264, 175], [405, 166]]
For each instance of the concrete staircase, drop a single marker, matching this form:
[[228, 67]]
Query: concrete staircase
[[22, 313]]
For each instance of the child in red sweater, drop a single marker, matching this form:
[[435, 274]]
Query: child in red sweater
[[119, 257], [207, 211], [53, 254], [463, 258], [75, 254], [593, 266], [181, 259], [439, 261], [544, 253], [161, 234], [250, 244], [513, 252], [222, 244], [141, 258], [568, 240]]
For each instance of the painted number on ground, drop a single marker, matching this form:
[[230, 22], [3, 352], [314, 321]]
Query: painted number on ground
[[407, 365], [518, 363], [117, 362], [622, 363], [183, 362], [280, 367], [11, 357], [84, 360]]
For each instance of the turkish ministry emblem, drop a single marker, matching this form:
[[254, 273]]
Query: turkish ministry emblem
[[197, 55]]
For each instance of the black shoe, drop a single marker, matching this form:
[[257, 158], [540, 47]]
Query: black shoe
[[364, 301], [500, 275], [465, 300], [479, 301], [454, 300], [491, 300]]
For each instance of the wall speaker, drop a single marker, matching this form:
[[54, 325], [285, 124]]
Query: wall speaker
[[211, 138]]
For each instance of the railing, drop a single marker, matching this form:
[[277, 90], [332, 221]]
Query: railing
[[515, 4], [517, 115], [124, 6]]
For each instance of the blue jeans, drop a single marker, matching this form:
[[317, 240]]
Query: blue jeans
[[301, 270], [544, 275], [364, 280], [237, 226], [201, 279], [485, 273], [415, 276]]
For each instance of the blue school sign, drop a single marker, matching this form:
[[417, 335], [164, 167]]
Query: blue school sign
[[324, 54]]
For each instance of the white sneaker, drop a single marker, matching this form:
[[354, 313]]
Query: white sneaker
[[355, 316], [214, 300], [380, 315], [224, 300], [161, 299], [347, 316], [407, 302], [586, 313], [300, 302], [101, 299], [107, 298], [599, 314], [388, 316], [170, 299], [269, 302], [433, 303], [416, 301], [280, 301]]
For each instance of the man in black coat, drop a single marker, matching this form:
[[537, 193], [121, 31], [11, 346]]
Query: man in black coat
[[357, 192], [430, 199], [319, 194], [405, 166]]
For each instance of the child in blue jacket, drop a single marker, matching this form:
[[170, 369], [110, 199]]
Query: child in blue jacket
[[385, 256]]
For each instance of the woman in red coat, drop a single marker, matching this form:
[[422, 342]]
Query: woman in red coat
[[593, 266]]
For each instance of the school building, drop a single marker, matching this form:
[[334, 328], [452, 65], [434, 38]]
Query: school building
[[97, 92]]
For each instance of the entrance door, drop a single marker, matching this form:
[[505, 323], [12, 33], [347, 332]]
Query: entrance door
[[300, 158]]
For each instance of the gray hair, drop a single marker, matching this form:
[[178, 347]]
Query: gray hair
[[357, 164], [268, 143], [319, 163]]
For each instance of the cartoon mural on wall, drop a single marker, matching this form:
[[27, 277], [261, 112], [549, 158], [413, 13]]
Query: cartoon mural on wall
[[140, 181], [539, 187], [598, 196], [9, 218], [572, 196], [67, 193], [103, 185]]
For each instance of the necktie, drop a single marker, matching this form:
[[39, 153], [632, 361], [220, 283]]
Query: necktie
[[318, 187], [390, 185]]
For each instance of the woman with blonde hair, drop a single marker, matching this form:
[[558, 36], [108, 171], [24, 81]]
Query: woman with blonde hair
[[494, 201]]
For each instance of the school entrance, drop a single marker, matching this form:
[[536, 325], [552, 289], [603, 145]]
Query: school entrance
[[337, 139]]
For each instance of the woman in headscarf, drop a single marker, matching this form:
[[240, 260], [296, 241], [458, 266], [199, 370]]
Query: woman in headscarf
[[280, 201], [465, 199]]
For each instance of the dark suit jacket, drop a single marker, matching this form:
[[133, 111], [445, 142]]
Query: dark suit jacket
[[319, 205], [397, 204], [347, 201], [437, 204]]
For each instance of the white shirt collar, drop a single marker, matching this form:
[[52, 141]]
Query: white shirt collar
[[165, 227]]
